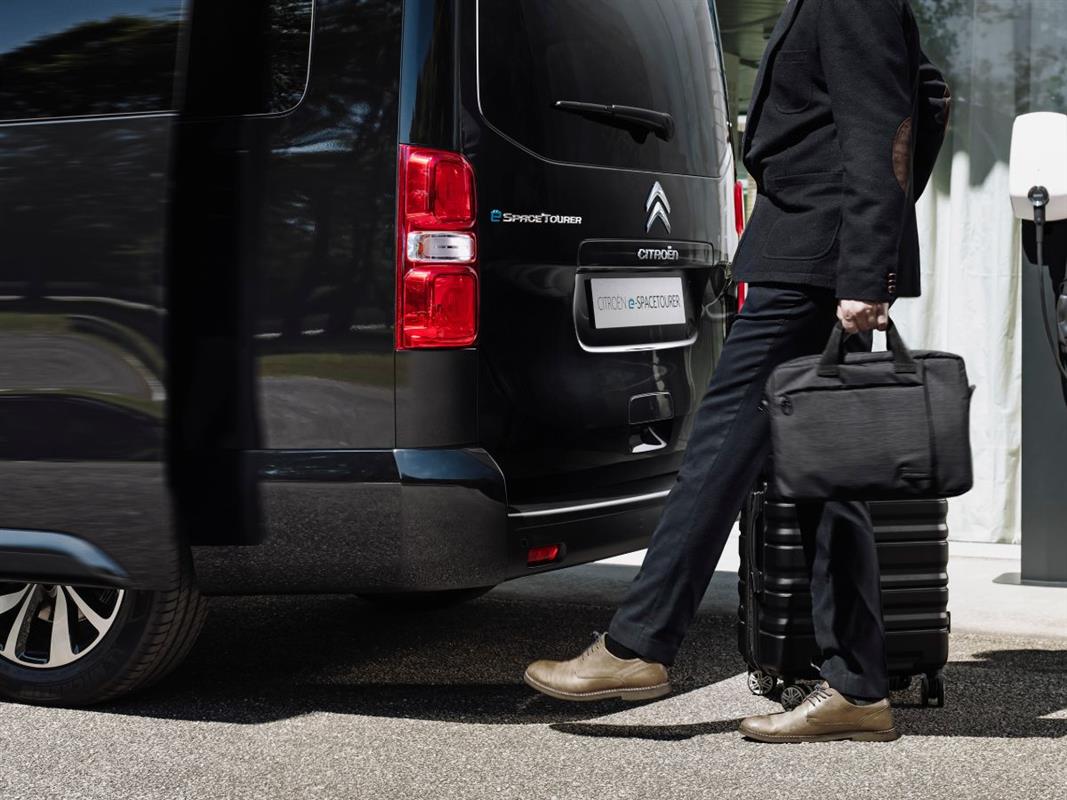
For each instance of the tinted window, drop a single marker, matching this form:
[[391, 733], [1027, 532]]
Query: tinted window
[[247, 56], [60, 58], [288, 43], [654, 54]]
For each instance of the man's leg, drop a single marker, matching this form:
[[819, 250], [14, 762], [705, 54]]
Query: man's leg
[[846, 602], [847, 612], [727, 446], [846, 597], [846, 592]]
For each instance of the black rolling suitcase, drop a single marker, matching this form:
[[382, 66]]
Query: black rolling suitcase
[[775, 633]]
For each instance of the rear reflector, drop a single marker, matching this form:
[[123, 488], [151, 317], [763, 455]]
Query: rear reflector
[[739, 206], [437, 250], [739, 224], [542, 555]]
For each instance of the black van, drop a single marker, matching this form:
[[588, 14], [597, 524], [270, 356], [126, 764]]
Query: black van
[[380, 297]]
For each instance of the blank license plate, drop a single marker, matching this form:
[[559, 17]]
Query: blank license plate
[[637, 302]]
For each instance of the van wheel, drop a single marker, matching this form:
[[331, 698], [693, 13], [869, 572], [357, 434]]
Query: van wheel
[[425, 601], [75, 645]]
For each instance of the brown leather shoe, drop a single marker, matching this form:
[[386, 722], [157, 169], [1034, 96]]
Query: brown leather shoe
[[824, 716], [598, 675]]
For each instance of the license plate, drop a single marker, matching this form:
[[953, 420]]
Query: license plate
[[637, 302]]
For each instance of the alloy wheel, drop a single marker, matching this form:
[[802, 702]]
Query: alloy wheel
[[45, 626]]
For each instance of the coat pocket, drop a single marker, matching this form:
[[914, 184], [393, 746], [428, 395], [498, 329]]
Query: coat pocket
[[791, 86], [809, 216]]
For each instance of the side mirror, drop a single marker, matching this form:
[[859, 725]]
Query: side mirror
[[1039, 160]]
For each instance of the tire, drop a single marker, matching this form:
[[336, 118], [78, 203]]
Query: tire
[[760, 683], [149, 634], [932, 691], [793, 695], [425, 601]]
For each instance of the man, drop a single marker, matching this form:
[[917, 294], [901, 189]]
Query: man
[[846, 120]]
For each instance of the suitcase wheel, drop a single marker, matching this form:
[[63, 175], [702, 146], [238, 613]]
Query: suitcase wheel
[[899, 683], [933, 690], [760, 683], [792, 696]]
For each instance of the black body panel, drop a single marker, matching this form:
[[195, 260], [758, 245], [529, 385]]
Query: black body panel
[[283, 245], [83, 387], [323, 289], [412, 520], [775, 631], [369, 521]]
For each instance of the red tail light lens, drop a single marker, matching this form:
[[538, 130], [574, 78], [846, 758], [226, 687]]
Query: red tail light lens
[[739, 206], [437, 279], [440, 307], [542, 555], [739, 224]]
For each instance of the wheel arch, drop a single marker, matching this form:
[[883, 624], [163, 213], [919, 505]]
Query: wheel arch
[[51, 557]]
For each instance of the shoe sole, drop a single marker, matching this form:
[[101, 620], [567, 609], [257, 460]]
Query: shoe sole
[[856, 736], [625, 693]]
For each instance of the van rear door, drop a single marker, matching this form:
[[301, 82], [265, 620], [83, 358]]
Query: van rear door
[[599, 138]]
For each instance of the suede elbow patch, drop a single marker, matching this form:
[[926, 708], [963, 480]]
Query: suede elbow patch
[[902, 154]]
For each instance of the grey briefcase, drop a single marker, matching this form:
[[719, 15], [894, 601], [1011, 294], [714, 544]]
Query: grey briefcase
[[870, 426]]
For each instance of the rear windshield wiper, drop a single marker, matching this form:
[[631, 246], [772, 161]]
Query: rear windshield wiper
[[636, 120]]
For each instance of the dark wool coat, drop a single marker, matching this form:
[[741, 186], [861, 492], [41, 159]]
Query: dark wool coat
[[846, 120]]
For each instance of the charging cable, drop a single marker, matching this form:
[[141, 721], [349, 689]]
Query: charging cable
[[1038, 197]]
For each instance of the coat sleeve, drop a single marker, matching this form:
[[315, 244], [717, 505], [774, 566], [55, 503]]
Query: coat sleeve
[[935, 102], [864, 56]]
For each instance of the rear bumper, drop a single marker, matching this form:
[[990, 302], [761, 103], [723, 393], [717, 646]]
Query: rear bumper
[[414, 520], [589, 527]]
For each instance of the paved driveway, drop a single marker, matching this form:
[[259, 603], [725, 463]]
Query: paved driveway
[[329, 697]]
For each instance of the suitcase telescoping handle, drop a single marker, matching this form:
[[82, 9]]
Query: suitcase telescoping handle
[[834, 354]]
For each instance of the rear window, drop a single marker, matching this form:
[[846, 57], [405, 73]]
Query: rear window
[[660, 55]]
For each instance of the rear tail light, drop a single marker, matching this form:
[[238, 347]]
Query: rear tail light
[[739, 206], [542, 555], [739, 224], [437, 250]]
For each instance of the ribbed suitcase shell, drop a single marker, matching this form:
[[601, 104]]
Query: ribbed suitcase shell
[[775, 633]]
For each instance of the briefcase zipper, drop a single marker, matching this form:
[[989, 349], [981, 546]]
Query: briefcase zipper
[[848, 387], [785, 401]]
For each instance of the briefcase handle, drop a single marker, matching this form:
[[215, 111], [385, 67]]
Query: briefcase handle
[[834, 354]]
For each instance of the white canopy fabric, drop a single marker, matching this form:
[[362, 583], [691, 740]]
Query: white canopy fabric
[[1002, 58], [970, 306]]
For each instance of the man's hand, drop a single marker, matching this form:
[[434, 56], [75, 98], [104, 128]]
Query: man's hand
[[859, 315]]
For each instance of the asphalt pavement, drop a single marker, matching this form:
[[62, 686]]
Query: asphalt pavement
[[332, 697]]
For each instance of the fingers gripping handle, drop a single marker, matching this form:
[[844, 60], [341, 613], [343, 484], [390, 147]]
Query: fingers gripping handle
[[834, 354]]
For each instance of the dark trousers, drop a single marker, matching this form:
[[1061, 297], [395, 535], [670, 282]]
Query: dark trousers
[[727, 449]]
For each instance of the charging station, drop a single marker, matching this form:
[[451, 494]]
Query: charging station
[[1038, 187]]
